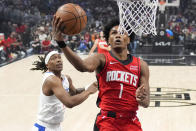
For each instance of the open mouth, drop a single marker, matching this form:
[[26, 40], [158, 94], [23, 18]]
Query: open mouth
[[117, 41]]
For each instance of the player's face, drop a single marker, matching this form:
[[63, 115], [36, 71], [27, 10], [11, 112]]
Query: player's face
[[55, 63], [117, 40], [101, 34]]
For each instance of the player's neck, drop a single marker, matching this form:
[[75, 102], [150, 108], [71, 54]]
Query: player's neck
[[57, 73], [120, 54], [102, 38]]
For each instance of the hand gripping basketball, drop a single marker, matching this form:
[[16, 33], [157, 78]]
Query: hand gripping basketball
[[73, 17]]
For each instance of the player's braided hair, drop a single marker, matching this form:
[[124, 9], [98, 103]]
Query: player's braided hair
[[111, 24], [40, 64]]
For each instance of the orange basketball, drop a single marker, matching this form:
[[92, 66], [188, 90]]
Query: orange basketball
[[74, 18]]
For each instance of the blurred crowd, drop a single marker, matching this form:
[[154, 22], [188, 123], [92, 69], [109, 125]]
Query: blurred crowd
[[183, 24], [26, 26]]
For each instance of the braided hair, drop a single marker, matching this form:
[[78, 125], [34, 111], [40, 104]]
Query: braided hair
[[40, 64]]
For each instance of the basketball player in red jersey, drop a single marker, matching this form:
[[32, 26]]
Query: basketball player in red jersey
[[100, 44], [122, 78]]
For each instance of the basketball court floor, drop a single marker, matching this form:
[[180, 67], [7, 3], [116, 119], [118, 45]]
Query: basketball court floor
[[172, 107]]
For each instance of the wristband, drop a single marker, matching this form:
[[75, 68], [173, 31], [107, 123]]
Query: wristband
[[61, 44]]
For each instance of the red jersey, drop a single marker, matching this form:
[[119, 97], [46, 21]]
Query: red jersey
[[101, 42], [118, 82]]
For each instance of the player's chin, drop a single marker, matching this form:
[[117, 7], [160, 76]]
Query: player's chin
[[59, 68], [118, 47]]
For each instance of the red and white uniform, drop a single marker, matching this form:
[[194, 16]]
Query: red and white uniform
[[104, 43], [118, 82]]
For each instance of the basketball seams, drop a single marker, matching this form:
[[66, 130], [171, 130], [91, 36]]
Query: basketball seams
[[74, 16], [78, 14], [70, 20], [85, 22], [83, 18], [71, 16]]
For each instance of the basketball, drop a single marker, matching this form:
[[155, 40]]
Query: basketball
[[74, 18]]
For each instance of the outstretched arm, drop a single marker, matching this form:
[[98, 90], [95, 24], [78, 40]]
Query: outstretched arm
[[72, 89], [89, 64], [54, 84], [143, 91]]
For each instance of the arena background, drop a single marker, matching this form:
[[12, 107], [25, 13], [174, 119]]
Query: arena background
[[25, 32]]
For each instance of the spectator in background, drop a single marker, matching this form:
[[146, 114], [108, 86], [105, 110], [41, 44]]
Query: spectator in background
[[3, 54], [83, 46], [94, 36], [181, 38], [42, 35], [100, 44], [74, 42], [36, 45], [46, 45]]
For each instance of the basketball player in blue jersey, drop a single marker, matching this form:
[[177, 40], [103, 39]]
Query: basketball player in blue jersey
[[57, 93]]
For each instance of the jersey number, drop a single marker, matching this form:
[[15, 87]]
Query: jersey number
[[121, 90]]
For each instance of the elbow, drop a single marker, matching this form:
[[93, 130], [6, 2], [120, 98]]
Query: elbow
[[146, 105], [84, 69], [69, 105], [81, 69]]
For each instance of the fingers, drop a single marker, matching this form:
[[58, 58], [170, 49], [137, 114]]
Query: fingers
[[53, 21], [57, 24], [141, 86], [96, 83], [141, 93]]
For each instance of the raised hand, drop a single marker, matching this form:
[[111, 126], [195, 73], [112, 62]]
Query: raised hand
[[57, 26]]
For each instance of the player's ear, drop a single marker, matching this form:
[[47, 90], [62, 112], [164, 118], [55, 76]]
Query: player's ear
[[47, 66], [128, 40]]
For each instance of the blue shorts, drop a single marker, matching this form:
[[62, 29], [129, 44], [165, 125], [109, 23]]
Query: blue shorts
[[41, 126]]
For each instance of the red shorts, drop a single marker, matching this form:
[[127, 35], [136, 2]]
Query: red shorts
[[110, 121]]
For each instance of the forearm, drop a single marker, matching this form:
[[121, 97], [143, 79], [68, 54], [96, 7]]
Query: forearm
[[89, 64], [76, 91], [79, 90], [78, 99], [74, 59]]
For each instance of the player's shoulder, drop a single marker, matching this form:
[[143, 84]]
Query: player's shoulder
[[144, 65], [143, 62], [52, 80]]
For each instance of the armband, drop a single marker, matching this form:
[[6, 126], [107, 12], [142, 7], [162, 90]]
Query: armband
[[61, 44]]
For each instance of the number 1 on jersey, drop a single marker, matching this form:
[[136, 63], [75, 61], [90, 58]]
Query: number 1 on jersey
[[121, 90]]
